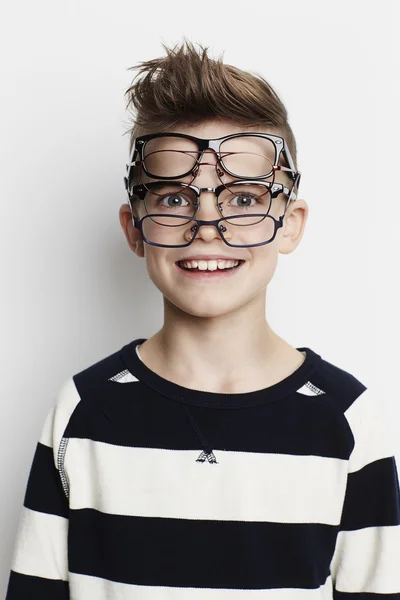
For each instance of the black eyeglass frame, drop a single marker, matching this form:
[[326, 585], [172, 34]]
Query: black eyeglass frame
[[274, 189], [214, 144], [278, 188]]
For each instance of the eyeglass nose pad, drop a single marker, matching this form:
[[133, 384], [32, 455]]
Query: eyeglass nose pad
[[193, 230], [221, 227]]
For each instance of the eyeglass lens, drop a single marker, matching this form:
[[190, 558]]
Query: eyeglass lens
[[172, 198], [169, 207], [239, 231], [241, 156]]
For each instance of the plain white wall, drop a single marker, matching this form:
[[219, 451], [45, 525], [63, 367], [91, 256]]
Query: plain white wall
[[73, 292]]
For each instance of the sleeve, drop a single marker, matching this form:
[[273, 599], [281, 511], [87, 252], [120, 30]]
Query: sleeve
[[366, 560], [39, 567]]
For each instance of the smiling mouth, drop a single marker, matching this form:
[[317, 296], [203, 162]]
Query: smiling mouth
[[180, 265]]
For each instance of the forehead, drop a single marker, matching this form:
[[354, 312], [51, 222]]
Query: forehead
[[216, 128]]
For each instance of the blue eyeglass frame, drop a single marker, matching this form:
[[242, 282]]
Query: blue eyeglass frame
[[276, 189], [214, 144]]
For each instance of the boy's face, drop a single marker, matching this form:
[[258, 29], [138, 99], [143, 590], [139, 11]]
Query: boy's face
[[211, 296]]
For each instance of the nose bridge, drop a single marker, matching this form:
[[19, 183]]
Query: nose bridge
[[207, 209]]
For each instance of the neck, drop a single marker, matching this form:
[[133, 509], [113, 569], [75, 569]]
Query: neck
[[235, 352]]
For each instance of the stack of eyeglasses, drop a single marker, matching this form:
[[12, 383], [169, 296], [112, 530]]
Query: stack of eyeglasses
[[168, 164]]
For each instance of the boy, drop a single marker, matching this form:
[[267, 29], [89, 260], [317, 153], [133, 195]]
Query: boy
[[212, 460]]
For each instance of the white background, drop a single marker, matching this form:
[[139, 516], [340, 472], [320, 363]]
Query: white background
[[72, 292]]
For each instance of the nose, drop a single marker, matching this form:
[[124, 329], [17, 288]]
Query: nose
[[207, 211], [208, 176]]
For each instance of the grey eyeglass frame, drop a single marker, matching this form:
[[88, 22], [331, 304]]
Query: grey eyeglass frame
[[214, 144], [276, 189]]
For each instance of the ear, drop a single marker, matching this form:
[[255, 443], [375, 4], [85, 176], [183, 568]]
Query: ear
[[132, 233], [294, 223]]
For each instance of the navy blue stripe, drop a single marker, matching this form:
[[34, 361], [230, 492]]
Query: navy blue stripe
[[200, 553], [130, 415], [372, 496], [44, 491], [24, 587]]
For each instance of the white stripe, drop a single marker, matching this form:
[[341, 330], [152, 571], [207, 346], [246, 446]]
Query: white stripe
[[170, 483], [367, 560], [41, 547], [370, 431], [84, 586], [58, 416]]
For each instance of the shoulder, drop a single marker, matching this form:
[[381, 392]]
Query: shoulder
[[98, 375], [80, 390], [357, 405], [338, 384]]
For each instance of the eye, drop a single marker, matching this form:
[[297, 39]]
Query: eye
[[243, 200], [173, 201]]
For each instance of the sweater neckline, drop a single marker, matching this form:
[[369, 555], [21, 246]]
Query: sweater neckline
[[172, 390]]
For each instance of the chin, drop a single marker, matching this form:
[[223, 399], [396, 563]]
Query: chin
[[206, 308]]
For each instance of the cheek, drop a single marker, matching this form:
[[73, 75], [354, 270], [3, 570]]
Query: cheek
[[264, 263], [267, 254], [158, 267], [268, 269]]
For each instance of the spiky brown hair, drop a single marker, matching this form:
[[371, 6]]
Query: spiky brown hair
[[187, 87]]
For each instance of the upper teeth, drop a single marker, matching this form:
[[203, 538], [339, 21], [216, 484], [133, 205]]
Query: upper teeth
[[210, 265]]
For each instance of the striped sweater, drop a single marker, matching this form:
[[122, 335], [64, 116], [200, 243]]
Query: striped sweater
[[142, 489]]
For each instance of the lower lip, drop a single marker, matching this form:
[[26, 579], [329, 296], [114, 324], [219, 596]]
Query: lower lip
[[208, 275]]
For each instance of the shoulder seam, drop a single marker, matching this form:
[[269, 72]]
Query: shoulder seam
[[62, 446], [62, 449], [346, 425]]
